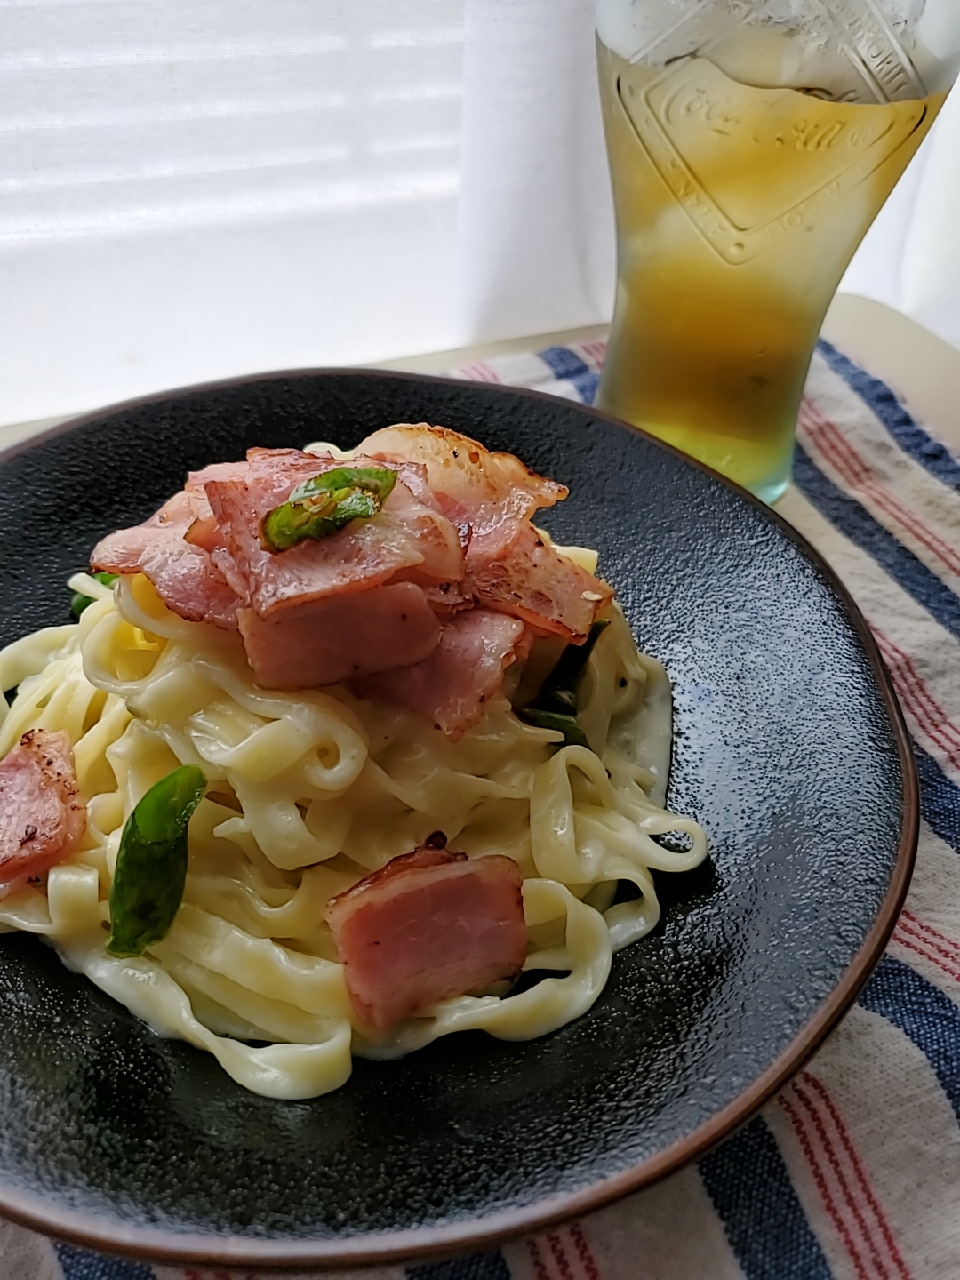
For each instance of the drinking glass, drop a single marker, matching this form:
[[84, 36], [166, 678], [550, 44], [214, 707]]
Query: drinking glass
[[751, 144]]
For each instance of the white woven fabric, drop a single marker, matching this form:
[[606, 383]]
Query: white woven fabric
[[853, 1171]]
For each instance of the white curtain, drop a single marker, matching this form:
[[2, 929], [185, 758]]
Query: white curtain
[[191, 189], [910, 258]]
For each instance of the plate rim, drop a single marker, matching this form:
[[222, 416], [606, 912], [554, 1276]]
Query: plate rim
[[167, 1247]]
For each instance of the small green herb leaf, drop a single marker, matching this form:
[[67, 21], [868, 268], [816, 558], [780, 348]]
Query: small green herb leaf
[[557, 703], [152, 863], [325, 504], [573, 735], [80, 602]]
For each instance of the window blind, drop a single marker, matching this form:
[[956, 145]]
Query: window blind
[[193, 189]]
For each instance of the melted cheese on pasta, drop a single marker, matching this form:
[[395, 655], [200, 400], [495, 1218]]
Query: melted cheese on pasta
[[309, 791]]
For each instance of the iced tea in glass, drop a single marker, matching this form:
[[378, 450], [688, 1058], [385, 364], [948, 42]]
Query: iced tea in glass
[[751, 144]]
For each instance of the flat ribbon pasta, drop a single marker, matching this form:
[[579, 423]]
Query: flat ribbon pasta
[[309, 791]]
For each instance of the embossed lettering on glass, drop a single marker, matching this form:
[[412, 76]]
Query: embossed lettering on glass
[[751, 144]]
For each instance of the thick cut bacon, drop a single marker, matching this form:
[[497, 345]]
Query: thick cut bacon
[[487, 494], [204, 531], [427, 926], [455, 531], [41, 818], [490, 498], [534, 582], [409, 537], [124, 551], [340, 636], [449, 597], [191, 585], [466, 668], [185, 576]]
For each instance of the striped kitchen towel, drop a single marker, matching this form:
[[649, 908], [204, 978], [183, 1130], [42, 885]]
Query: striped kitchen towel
[[853, 1171]]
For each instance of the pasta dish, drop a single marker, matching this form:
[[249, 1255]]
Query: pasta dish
[[341, 754]]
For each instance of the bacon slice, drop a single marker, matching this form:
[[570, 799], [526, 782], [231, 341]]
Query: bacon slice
[[466, 668], [204, 531], [340, 636], [185, 576], [491, 493], [449, 597], [455, 530], [41, 818], [410, 536], [532, 581], [429, 925]]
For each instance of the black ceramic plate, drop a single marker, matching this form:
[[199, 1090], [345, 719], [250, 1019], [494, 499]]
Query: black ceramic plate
[[789, 750]]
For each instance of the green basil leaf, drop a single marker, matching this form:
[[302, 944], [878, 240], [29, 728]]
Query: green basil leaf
[[79, 602], [560, 689], [152, 863], [557, 703], [325, 504], [569, 726], [378, 480]]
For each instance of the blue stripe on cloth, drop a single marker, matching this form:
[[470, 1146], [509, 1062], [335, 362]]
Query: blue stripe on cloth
[[748, 1183], [939, 796], [566, 365], [847, 515], [939, 799], [924, 1014], [587, 385], [479, 1266], [906, 431], [81, 1264], [563, 362]]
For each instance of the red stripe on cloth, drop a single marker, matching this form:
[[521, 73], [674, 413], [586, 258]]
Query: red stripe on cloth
[[539, 1266], [567, 1255], [842, 1180], [595, 351], [584, 1252], [830, 441], [860, 1172], [820, 1181], [917, 698], [916, 691], [921, 947], [928, 929], [559, 1256], [853, 1183], [592, 352], [216, 1275], [848, 1194], [479, 372]]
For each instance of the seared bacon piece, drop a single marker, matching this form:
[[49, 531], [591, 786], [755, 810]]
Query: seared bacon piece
[[533, 581], [192, 587], [41, 818], [429, 925], [452, 548], [466, 668], [410, 536], [204, 531], [486, 494], [490, 497], [449, 597], [185, 576], [336, 637]]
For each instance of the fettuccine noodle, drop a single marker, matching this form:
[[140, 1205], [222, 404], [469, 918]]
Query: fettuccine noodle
[[308, 792]]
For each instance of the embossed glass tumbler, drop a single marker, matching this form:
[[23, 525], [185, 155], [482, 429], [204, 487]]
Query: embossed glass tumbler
[[751, 144]]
